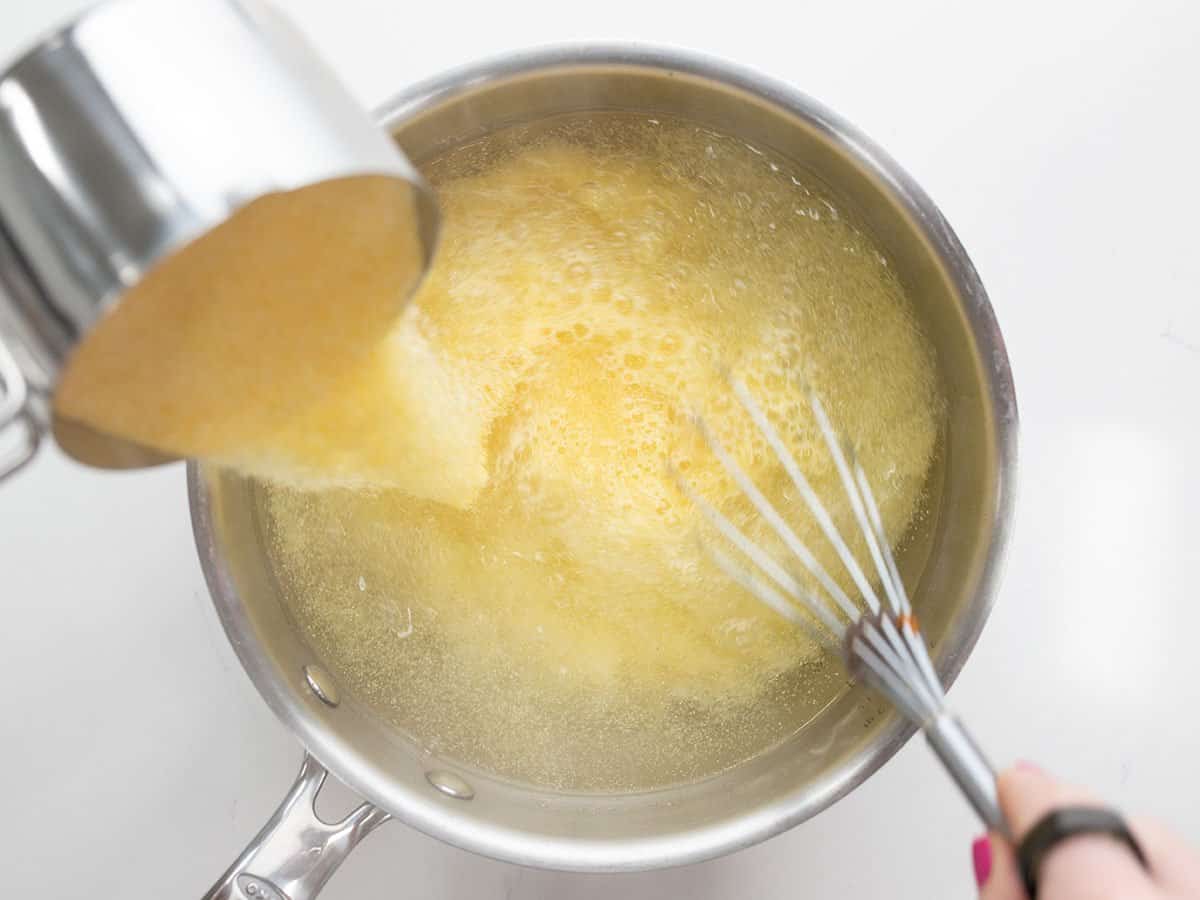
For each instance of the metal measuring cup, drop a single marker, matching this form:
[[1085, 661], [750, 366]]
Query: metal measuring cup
[[126, 135]]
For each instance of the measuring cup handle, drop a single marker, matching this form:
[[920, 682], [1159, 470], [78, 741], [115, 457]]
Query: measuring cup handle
[[296, 852], [16, 418]]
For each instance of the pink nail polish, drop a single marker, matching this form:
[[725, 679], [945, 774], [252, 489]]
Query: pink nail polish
[[1026, 766], [981, 859]]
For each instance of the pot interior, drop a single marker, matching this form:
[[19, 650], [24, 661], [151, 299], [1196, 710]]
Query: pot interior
[[947, 562]]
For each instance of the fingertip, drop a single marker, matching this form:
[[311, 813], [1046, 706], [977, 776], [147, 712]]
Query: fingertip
[[1002, 879], [1013, 786], [981, 859], [1023, 773]]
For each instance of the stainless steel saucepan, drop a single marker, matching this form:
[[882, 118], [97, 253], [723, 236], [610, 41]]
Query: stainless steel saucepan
[[955, 576]]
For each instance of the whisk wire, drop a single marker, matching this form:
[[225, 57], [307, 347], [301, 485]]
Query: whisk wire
[[882, 643], [768, 595], [895, 584], [884, 639], [895, 587], [891, 647], [887, 681], [856, 505], [815, 506], [790, 585], [789, 537]]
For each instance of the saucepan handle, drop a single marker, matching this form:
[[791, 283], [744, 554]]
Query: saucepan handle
[[296, 852], [20, 433]]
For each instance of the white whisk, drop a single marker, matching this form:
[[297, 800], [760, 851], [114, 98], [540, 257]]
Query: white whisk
[[876, 638]]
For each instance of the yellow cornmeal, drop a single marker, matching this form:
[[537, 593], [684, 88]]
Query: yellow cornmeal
[[242, 348], [539, 604]]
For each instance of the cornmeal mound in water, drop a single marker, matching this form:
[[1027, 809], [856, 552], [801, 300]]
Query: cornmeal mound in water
[[541, 603]]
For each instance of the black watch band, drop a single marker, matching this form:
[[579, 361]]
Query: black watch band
[[1070, 821]]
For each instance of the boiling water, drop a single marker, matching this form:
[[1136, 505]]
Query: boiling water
[[539, 605]]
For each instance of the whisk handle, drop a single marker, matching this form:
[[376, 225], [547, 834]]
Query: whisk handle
[[969, 768]]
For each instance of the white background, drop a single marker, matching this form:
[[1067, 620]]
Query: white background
[[1061, 141]]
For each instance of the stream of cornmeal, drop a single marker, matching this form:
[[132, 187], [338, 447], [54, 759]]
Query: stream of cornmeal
[[475, 528]]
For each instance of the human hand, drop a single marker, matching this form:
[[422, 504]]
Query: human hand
[[1082, 867]]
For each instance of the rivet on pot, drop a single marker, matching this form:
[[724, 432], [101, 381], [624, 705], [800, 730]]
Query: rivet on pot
[[450, 784], [321, 684]]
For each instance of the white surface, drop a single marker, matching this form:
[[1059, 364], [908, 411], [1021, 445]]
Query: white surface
[[1060, 139]]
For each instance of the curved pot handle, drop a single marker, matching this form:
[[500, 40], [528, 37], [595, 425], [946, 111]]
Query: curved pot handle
[[296, 852]]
